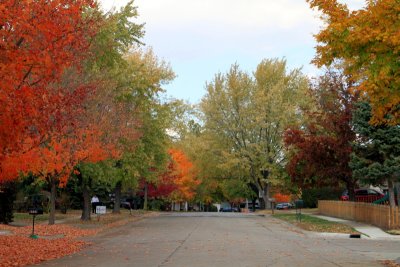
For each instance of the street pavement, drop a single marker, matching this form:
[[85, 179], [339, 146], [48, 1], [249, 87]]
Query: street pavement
[[225, 239]]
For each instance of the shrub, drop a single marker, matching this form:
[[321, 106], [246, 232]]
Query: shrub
[[311, 196], [8, 192]]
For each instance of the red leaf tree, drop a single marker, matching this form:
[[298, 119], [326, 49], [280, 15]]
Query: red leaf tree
[[321, 148]]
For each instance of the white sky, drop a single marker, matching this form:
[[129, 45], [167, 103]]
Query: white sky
[[202, 37]]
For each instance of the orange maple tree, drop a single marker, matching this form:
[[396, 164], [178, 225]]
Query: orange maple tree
[[39, 40], [184, 176]]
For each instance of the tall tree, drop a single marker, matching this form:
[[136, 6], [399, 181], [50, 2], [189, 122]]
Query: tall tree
[[248, 115], [321, 147], [376, 157], [113, 106], [367, 42]]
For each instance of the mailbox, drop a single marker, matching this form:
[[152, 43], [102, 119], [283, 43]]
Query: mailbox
[[299, 204]]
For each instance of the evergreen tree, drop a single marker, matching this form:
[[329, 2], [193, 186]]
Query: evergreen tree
[[376, 151]]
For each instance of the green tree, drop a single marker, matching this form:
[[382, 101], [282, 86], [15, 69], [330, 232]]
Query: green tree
[[247, 116], [110, 73], [376, 156]]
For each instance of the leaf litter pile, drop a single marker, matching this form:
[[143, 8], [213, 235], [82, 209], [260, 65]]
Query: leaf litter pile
[[18, 249]]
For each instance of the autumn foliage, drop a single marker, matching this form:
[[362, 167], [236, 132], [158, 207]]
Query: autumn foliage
[[39, 41], [280, 198], [56, 241], [184, 176], [320, 149], [178, 182], [367, 43]]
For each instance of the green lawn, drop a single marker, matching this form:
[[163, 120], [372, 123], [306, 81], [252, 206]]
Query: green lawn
[[42, 217], [311, 223]]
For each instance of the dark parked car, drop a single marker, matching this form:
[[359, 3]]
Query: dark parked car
[[363, 195], [284, 206], [229, 209]]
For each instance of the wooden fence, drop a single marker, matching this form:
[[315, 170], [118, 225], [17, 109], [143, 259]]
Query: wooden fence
[[380, 215]]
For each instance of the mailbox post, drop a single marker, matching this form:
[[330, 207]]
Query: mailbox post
[[272, 201], [299, 204], [34, 212]]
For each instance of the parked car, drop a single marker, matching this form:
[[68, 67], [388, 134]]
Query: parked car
[[229, 209], [363, 195], [284, 206]]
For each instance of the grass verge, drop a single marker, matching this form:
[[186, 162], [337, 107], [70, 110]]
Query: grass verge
[[25, 217], [394, 232], [311, 223]]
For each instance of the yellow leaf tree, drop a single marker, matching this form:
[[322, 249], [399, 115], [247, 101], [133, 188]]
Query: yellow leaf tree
[[366, 43]]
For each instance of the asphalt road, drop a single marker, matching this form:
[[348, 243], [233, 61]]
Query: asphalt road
[[206, 239]]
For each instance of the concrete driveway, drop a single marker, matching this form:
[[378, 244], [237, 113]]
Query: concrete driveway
[[225, 239]]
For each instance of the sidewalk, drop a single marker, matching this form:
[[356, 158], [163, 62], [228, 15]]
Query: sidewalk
[[368, 231]]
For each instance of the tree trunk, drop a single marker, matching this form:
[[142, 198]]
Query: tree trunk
[[350, 186], [86, 204], [117, 199], [263, 206], [53, 192], [145, 197], [253, 202], [265, 197], [392, 200], [397, 186], [264, 200]]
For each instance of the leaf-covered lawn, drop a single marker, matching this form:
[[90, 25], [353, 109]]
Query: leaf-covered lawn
[[22, 250], [311, 223], [55, 241]]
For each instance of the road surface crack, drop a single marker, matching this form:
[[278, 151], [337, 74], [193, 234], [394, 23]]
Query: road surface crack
[[166, 260]]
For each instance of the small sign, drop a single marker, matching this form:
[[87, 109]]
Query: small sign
[[101, 210], [272, 200], [34, 211]]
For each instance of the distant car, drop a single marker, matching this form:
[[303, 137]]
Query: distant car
[[284, 206], [228, 209], [345, 195], [363, 195]]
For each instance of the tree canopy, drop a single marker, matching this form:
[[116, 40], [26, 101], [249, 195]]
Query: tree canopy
[[367, 43], [320, 148]]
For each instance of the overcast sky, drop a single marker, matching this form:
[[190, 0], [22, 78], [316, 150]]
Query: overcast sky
[[202, 37]]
